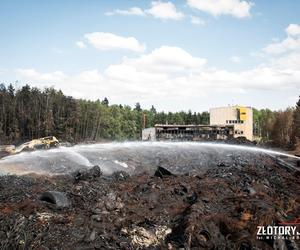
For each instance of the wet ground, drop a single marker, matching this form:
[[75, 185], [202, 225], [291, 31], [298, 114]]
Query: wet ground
[[213, 204]]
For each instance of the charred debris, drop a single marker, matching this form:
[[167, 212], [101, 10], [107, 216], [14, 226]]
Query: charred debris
[[220, 208]]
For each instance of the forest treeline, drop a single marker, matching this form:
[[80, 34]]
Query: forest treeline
[[280, 128], [28, 112]]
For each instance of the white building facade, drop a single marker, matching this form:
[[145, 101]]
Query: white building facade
[[239, 116]]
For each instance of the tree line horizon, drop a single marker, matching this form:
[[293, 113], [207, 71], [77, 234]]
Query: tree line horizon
[[28, 113]]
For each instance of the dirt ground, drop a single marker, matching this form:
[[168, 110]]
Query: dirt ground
[[220, 208]]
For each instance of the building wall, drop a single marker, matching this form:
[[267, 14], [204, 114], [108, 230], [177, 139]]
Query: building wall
[[149, 134], [240, 117], [163, 132]]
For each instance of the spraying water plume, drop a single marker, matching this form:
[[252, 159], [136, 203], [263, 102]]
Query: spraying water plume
[[133, 157]]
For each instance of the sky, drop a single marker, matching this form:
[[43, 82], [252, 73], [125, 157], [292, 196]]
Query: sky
[[175, 55]]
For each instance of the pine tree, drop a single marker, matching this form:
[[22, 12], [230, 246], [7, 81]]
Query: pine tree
[[138, 107], [105, 102]]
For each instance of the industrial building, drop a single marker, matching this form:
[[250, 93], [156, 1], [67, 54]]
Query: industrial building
[[240, 117], [225, 123], [162, 132]]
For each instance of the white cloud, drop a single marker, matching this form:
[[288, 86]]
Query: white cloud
[[164, 10], [165, 60], [86, 84], [160, 64], [235, 59], [32, 74], [290, 43], [290, 61], [171, 71], [90, 76], [80, 44], [285, 45], [293, 30], [109, 41], [197, 21], [134, 11], [158, 9], [236, 8], [171, 75]]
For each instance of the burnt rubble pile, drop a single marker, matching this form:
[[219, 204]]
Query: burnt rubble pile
[[217, 209], [240, 141]]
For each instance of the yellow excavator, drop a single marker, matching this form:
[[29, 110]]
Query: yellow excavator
[[41, 143]]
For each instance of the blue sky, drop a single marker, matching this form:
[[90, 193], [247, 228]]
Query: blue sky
[[176, 55]]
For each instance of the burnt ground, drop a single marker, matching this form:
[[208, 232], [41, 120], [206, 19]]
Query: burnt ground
[[217, 209]]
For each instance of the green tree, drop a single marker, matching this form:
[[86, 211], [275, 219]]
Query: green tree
[[105, 102], [138, 107], [282, 130]]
